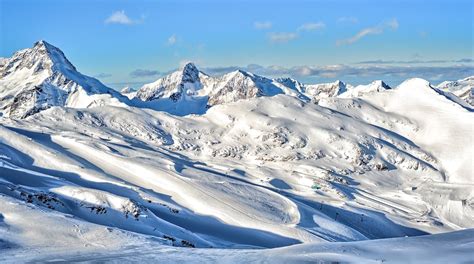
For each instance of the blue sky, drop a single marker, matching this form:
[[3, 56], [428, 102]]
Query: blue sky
[[132, 42]]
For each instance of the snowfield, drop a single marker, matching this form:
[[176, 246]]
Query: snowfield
[[237, 168]]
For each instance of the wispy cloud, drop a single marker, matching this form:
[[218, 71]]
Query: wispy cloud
[[465, 60], [342, 71], [379, 29], [350, 20], [417, 61], [311, 26], [144, 73], [119, 17], [103, 75], [262, 24], [282, 37], [172, 40], [423, 34]]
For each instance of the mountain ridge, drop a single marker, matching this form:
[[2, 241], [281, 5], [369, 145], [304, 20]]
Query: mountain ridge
[[41, 77], [52, 80]]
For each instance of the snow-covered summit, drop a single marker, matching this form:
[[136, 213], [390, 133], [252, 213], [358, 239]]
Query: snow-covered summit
[[40, 77], [190, 73], [292, 84], [359, 90], [196, 85], [324, 90], [43, 56], [187, 80], [126, 90], [463, 88], [457, 85], [239, 85]]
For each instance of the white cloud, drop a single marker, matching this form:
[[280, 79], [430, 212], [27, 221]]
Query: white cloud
[[262, 25], [282, 37], [119, 17], [172, 40], [350, 20], [311, 26], [345, 71], [139, 73], [392, 24]]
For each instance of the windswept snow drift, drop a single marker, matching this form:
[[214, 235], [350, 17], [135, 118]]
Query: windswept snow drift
[[266, 163]]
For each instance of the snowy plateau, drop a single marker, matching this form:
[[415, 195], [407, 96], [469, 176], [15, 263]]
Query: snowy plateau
[[237, 168]]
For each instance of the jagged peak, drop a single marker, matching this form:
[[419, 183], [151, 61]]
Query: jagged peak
[[190, 73], [287, 79], [55, 54], [381, 84], [49, 48], [40, 58], [127, 89], [44, 55], [240, 72], [43, 44], [189, 66], [291, 83]]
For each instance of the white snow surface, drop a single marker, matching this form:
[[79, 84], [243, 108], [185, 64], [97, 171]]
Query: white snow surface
[[464, 89], [274, 171]]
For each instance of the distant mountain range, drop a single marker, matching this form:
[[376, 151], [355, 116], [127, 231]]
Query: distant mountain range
[[42, 77]]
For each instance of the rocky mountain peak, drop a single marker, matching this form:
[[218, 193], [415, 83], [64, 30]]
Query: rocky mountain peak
[[381, 84], [190, 73], [291, 83], [42, 56], [40, 77], [318, 91]]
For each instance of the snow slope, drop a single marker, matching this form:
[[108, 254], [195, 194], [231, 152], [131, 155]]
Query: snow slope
[[79, 241], [463, 89], [278, 170], [265, 174], [360, 90]]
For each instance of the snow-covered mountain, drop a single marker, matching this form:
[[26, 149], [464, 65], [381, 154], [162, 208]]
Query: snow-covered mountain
[[292, 84], [127, 90], [325, 90], [463, 89], [360, 90], [190, 83], [177, 85], [240, 85], [272, 163], [41, 77]]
